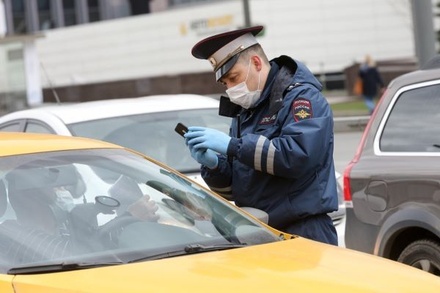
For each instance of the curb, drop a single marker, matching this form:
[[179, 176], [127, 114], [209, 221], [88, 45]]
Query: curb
[[347, 124]]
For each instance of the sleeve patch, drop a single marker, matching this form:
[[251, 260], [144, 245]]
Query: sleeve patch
[[302, 109]]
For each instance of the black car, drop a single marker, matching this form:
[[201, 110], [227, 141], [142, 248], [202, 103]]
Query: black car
[[392, 185]]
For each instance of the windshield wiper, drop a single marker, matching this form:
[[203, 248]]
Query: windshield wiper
[[189, 249], [63, 267], [196, 248], [58, 267]]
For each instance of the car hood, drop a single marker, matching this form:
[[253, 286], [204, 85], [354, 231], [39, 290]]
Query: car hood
[[299, 264]]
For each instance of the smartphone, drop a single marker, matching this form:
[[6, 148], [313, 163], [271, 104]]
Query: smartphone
[[181, 129]]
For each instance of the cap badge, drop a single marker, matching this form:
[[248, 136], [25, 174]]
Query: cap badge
[[213, 62]]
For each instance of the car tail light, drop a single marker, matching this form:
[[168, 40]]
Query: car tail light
[[347, 186], [347, 189]]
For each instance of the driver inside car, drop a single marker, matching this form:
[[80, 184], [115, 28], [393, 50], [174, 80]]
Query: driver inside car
[[44, 212], [137, 205]]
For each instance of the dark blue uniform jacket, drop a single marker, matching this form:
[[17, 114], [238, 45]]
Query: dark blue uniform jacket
[[283, 160]]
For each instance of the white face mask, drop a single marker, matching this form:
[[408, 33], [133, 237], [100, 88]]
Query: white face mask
[[241, 95]]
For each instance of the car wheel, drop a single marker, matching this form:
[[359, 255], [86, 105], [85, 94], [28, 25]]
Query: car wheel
[[422, 254]]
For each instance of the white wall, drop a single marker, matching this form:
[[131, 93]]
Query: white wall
[[140, 46], [336, 33], [328, 35], [12, 72], [2, 19]]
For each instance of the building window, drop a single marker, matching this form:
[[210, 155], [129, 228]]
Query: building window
[[69, 12], [18, 17], [140, 7], [183, 2], [44, 15], [94, 14]]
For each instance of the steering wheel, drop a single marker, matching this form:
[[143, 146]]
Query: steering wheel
[[109, 231]]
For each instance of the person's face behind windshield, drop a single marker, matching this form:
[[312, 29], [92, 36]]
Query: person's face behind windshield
[[101, 219]]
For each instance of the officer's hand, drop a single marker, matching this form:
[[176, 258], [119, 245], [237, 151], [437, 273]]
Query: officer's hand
[[144, 209], [207, 138], [205, 157]]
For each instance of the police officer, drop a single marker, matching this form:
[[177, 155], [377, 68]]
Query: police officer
[[278, 156]]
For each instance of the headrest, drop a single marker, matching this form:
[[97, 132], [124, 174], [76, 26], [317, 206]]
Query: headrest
[[29, 178]]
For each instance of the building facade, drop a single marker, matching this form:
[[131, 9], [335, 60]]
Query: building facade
[[113, 48]]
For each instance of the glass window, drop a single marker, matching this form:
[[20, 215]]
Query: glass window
[[412, 125], [139, 7], [180, 2], [35, 127], [18, 16], [94, 14], [44, 16], [12, 77], [86, 207], [153, 133], [69, 12], [11, 127]]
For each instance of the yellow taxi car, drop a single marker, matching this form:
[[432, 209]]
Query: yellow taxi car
[[78, 215]]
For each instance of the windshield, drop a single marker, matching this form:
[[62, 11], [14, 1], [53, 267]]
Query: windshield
[[89, 207], [153, 133]]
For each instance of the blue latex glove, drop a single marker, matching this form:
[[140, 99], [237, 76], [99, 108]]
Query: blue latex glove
[[205, 157], [207, 138]]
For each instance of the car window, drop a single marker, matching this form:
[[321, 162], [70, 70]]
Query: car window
[[11, 127], [35, 127], [153, 133], [88, 206], [412, 122]]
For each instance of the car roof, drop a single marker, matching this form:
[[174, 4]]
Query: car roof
[[93, 110], [12, 143], [414, 77]]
